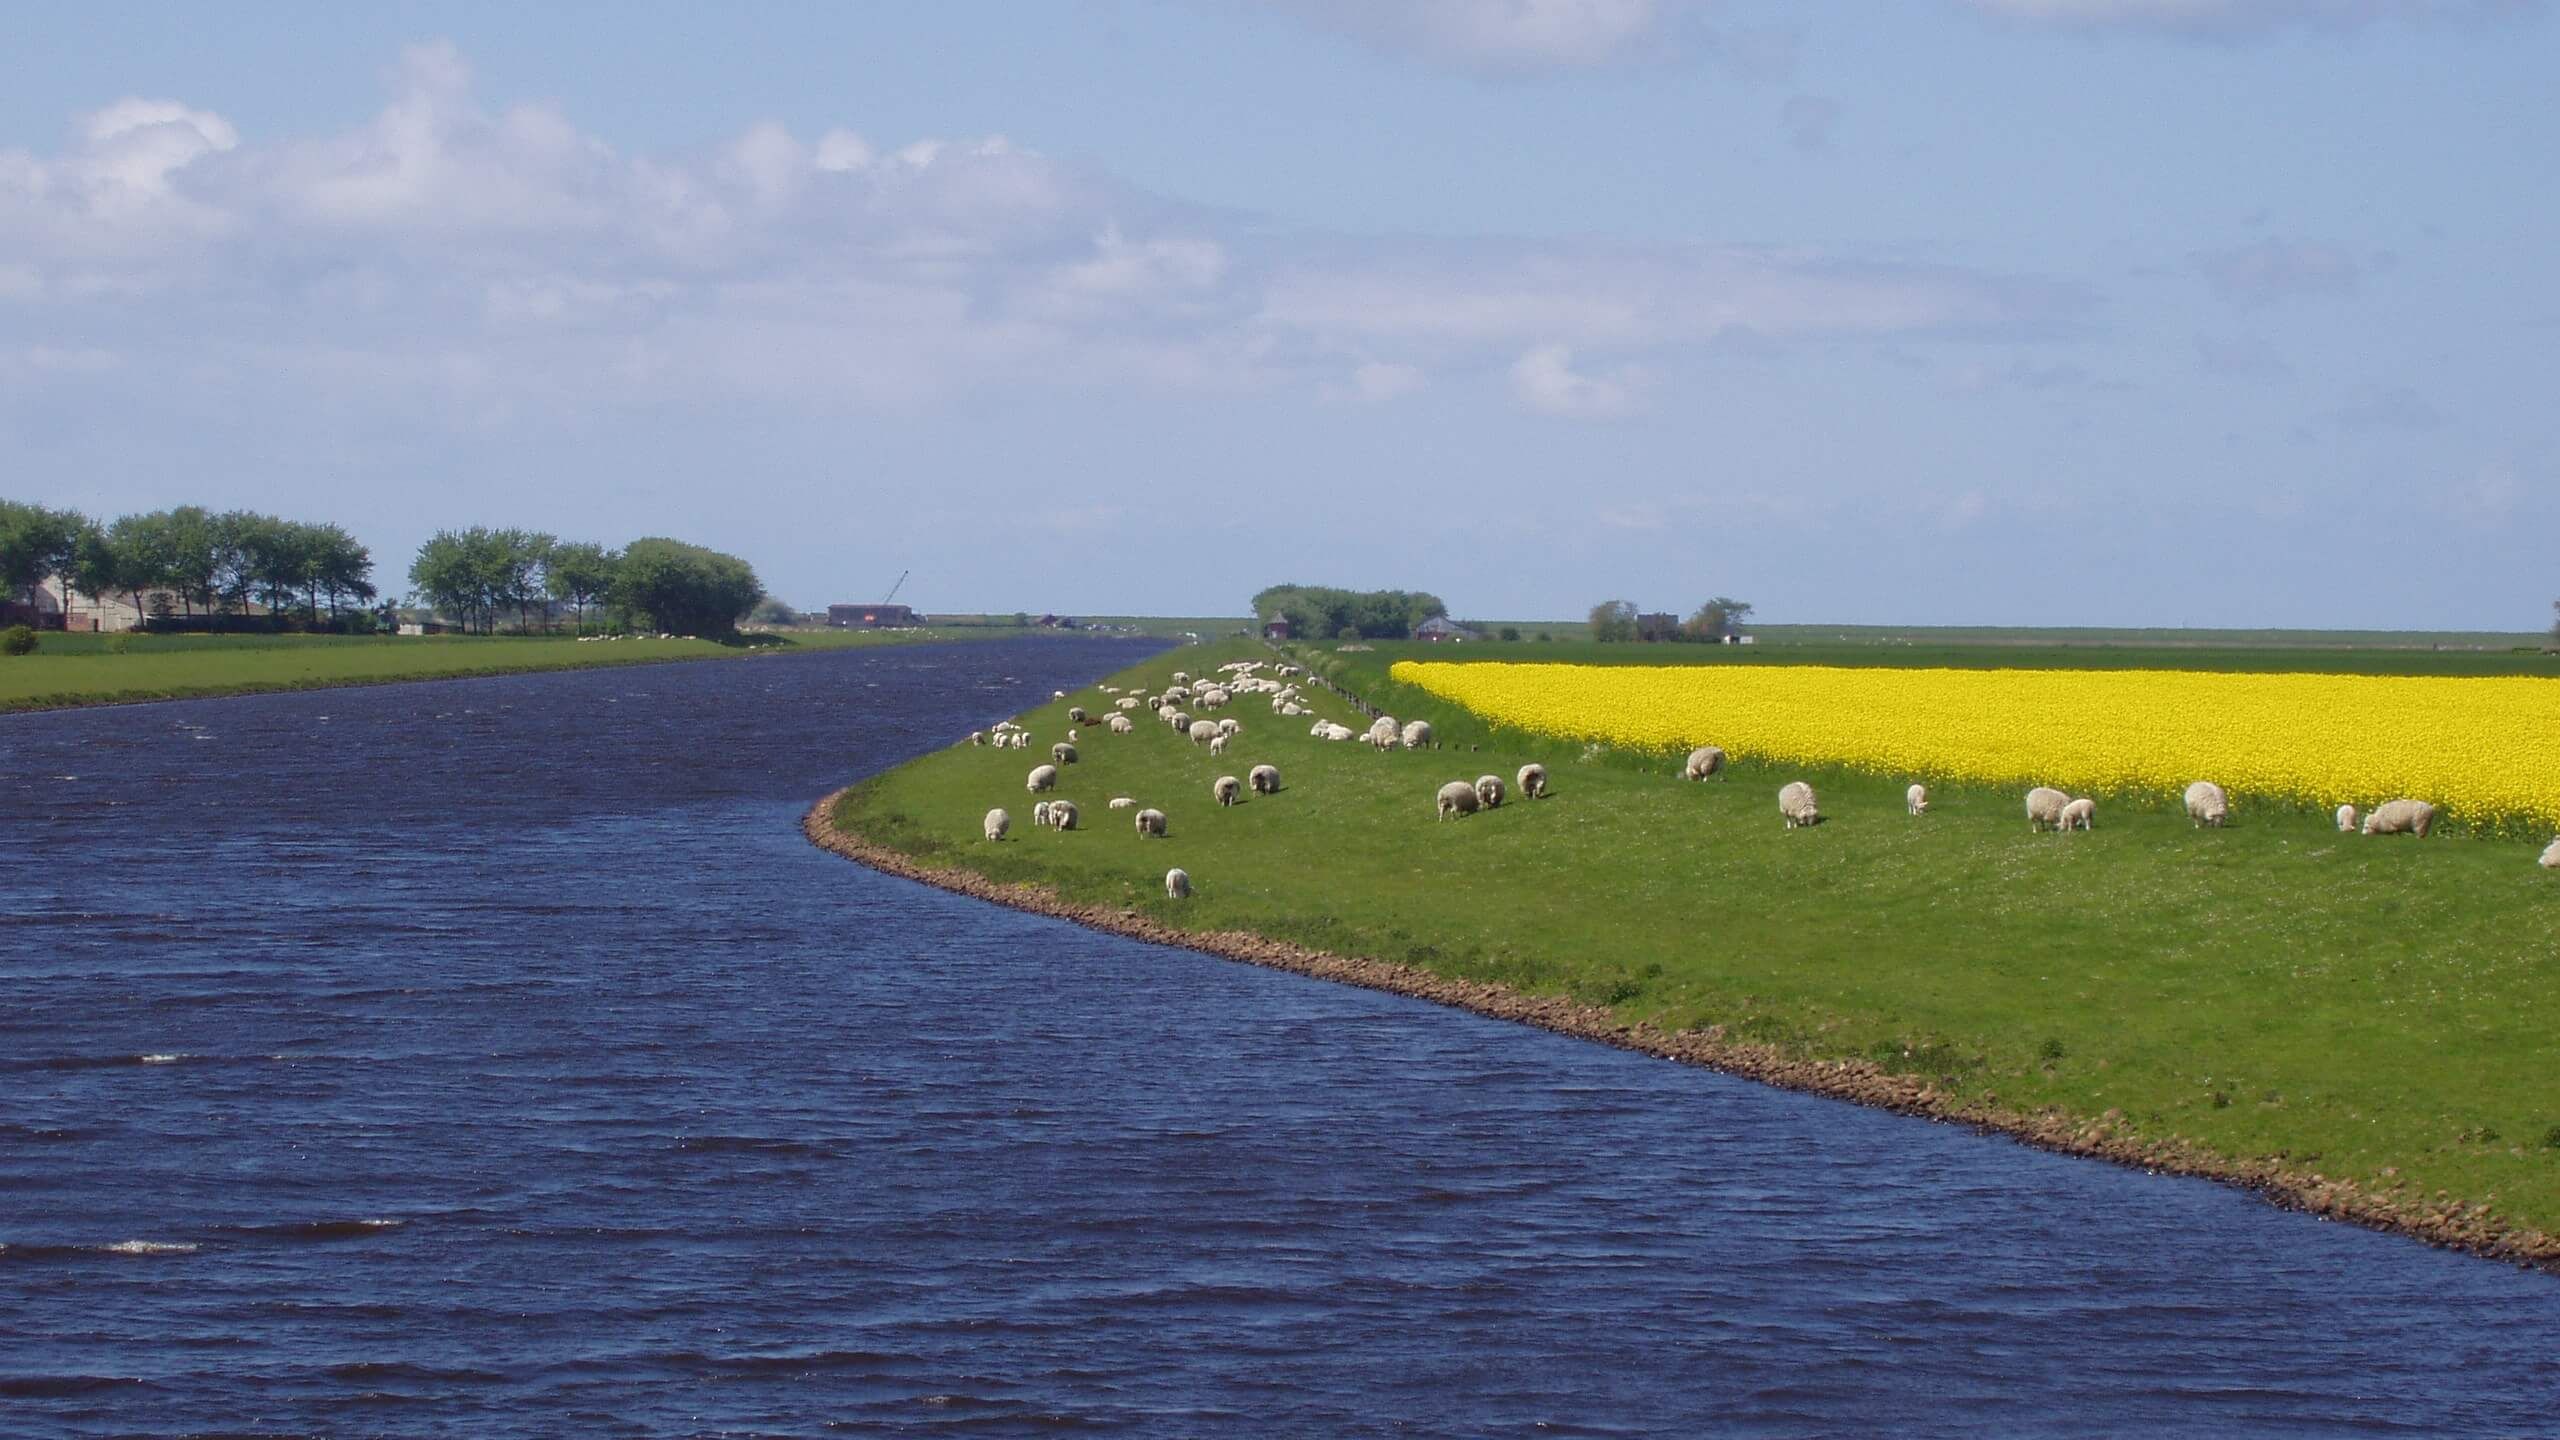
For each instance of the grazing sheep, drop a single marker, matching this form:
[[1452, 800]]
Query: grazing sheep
[[1214, 699], [1331, 731], [1533, 782], [2346, 819], [1177, 885], [977, 737], [1797, 805], [1384, 734], [1417, 735], [1217, 744], [1062, 815], [1231, 726], [1228, 789], [1073, 737], [1202, 732], [1179, 676], [1120, 725], [1704, 762], [2079, 813], [1063, 753], [1265, 779], [2401, 817], [998, 822], [1122, 802], [1151, 822], [1489, 790], [2551, 856], [2044, 807], [1076, 715], [1057, 694], [1126, 702], [1459, 798], [1916, 799], [2207, 805], [1040, 813], [1043, 777]]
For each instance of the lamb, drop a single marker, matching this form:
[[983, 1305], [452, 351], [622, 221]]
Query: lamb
[[1072, 737], [1228, 789], [2044, 807], [1126, 702], [1119, 725], [1916, 800], [2401, 817], [997, 823], [1043, 777], [1459, 798], [1217, 744], [2551, 855], [1796, 804], [2078, 814], [1489, 790], [1151, 822], [1040, 813], [1202, 732], [1417, 734], [1058, 695], [1231, 726], [1177, 885], [1062, 815], [1179, 676], [1265, 779], [1122, 802], [2346, 819], [2207, 805], [1063, 753], [1533, 782], [1705, 762], [1076, 715]]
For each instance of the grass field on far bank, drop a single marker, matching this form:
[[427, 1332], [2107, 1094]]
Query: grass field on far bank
[[72, 670], [2379, 1010]]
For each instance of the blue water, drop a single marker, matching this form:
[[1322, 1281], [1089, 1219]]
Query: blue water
[[494, 1057]]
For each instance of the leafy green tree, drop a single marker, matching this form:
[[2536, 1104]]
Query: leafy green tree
[[1613, 621], [35, 542], [1511, 632], [578, 574], [145, 551], [684, 589], [1717, 618], [450, 575]]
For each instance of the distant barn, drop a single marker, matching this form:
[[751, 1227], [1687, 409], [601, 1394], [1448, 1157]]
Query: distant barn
[[871, 617], [1442, 629]]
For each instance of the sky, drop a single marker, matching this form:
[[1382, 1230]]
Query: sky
[[2028, 312]]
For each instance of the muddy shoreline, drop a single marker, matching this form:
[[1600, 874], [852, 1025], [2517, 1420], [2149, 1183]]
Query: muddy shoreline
[[2443, 1222]]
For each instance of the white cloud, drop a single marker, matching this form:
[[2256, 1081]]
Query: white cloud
[[2231, 18], [1495, 34], [1544, 380]]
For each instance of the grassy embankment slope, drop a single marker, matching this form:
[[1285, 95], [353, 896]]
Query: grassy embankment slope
[[72, 670], [2273, 1002]]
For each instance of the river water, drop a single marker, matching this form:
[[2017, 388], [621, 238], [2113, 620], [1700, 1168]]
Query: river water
[[494, 1057]]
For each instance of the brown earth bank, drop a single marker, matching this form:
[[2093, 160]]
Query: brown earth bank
[[2439, 1221]]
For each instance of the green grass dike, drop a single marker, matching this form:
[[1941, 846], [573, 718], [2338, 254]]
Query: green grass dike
[[74, 670], [2363, 1028]]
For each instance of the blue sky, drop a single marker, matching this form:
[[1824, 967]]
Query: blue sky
[[2198, 312]]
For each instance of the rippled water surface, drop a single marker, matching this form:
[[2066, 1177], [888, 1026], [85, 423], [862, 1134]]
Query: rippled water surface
[[493, 1057]]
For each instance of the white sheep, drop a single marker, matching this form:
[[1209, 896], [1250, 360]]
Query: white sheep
[[1797, 805], [1265, 779], [1076, 715], [1179, 676], [1317, 727], [2079, 814], [1489, 790], [977, 737], [2551, 855], [2346, 819], [1217, 744], [1202, 732], [1335, 732], [1916, 800], [1177, 885], [2401, 817], [1533, 782], [1043, 777], [1063, 753], [1705, 762], [1231, 726], [1151, 822], [1062, 815], [1058, 695], [2044, 807], [1459, 798], [1073, 737], [1040, 813], [2206, 804], [998, 822], [1384, 732], [1126, 702], [1417, 734], [1122, 802], [1120, 725], [1227, 789]]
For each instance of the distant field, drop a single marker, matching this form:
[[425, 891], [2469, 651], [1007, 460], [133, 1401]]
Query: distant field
[[1169, 627], [1974, 655]]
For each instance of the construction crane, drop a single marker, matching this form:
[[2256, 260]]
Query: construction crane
[[894, 589]]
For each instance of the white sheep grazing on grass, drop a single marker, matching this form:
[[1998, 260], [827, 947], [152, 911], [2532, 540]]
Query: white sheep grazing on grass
[[1203, 731], [1459, 798], [997, 823], [1916, 800], [1122, 802], [977, 737], [1180, 676], [1040, 813], [1217, 744], [2207, 805], [1073, 737], [2346, 819], [2551, 855], [1057, 694], [1063, 815], [1797, 805], [1076, 715], [1317, 728], [1417, 735], [1120, 725], [1383, 733], [1533, 782], [1177, 885], [1489, 789], [2401, 817], [1265, 779], [1227, 789], [1063, 753], [1151, 822], [2044, 807], [1043, 777], [1231, 726], [1126, 702], [2079, 814], [1705, 762]]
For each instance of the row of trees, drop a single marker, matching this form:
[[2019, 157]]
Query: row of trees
[[478, 574], [1316, 611], [1617, 621], [215, 563]]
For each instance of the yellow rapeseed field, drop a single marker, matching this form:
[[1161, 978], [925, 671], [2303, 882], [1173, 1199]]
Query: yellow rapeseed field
[[2486, 749]]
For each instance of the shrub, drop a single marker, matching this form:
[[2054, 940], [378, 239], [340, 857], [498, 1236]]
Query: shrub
[[1511, 632], [1347, 632], [17, 640]]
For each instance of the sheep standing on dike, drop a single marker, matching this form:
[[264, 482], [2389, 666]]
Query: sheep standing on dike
[[1076, 715], [1063, 815], [1217, 744], [1797, 805], [1705, 762], [1180, 722], [2551, 855], [1040, 813], [1265, 779], [1043, 777], [1203, 731], [1227, 789], [2346, 819], [998, 822], [1057, 694], [1181, 676], [1151, 822], [977, 737], [1489, 790], [2401, 817], [1073, 737], [1459, 798], [1384, 734], [1063, 753], [1533, 782], [1417, 735], [1177, 885], [2079, 813], [2207, 805], [1231, 726], [1916, 800], [2044, 807]]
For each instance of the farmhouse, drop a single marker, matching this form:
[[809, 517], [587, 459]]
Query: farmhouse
[[1441, 628], [1276, 628]]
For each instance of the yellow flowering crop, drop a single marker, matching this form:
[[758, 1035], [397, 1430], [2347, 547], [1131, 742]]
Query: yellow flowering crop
[[2485, 748]]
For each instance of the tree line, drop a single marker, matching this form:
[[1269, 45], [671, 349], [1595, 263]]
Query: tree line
[[215, 562], [1617, 621], [1317, 612], [479, 574]]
